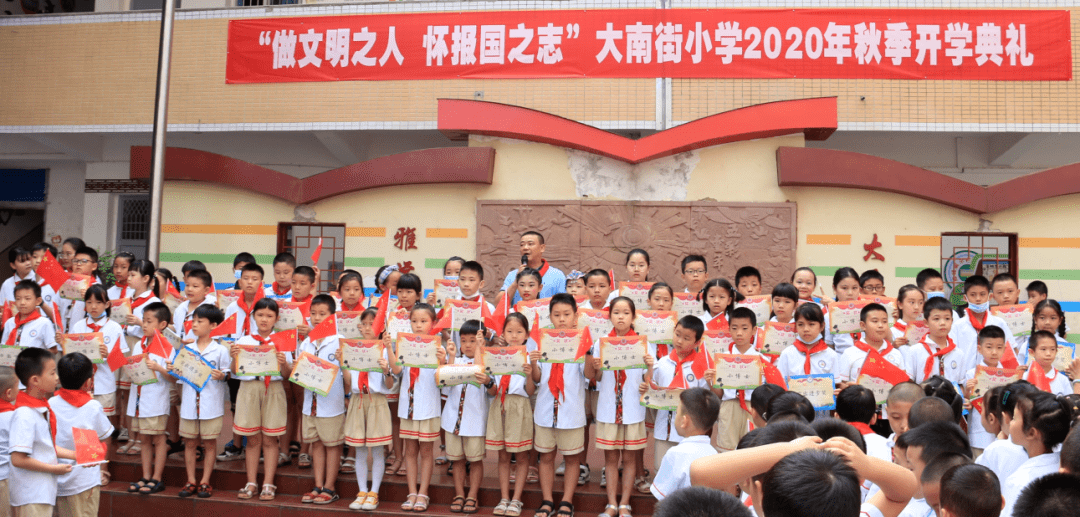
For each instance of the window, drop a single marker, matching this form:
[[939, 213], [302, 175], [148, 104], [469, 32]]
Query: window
[[968, 253], [301, 239], [133, 225]]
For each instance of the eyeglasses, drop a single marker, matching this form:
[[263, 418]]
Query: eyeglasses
[[80, 262], [694, 272], [879, 289]]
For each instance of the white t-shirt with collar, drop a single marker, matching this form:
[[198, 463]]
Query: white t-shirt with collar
[[1030, 470], [333, 404], [793, 362], [89, 416], [954, 361], [674, 470], [5, 455], [39, 333], [632, 410], [852, 359], [251, 341], [7, 290], [210, 403], [185, 313], [136, 330], [152, 399], [1003, 457], [113, 334], [471, 420], [571, 411], [241, 320], [30, 435], [663, 374]]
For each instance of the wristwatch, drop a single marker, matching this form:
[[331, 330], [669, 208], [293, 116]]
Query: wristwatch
[[490, 383]]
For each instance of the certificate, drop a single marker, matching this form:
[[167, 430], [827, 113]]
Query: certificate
[[686, 304], [119, 310], [257, 361], [660, 398], [761, 305], [563, 346], [138, 372], [454, 374], [916, 331], [1017, 317], [888, 303], [73, 287], [507, 360], [172, 299], [190, 367], [1065, 355], [536, 309], [348, 324], [8, 354], [844, 317], [361, 355], [717, 341], [462, 311], [418, 351], [398, 322], [778, 336], [623, 352], [657, 326], [290, 316], [598, 321], [636, 291], [176, 341], [314, 373], [88, 344], [226, 297], [818, 387], [880, 387], [987, 378], [445, 290], [735, 371]]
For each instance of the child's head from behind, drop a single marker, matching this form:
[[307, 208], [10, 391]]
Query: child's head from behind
[[688, 332], [1042, 347], [810, 483], [930, 480], [856, 404], [516, 329], [322, 306], [809, 323], [991, 413], [563, 311], [1040, 421], [699, 501], [970, 490], [698, 410], [1056, 495], [1070, 452], [828, 428], [787, 404], [472, 337], [930, 440], [205, 319], [27, 296], [943, 402], [36, 369], [76, 372], [759, 402], [901, 397], [938, 314], [1010, 395], [9, 384], [303, 282], [992, 344], [157, 316]]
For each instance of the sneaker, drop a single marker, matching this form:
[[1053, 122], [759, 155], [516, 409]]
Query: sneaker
[[603, 478], [371, 502], [583, 477], [561, 470], [123, 436], [358, 503], [231, 453]]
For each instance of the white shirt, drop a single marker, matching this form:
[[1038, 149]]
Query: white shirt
[[674, 470], [376, 380], [632, 410], [185, 313], [152, 399], [571, 411], [241, 320], [116, 292], [90, 416], [455, 335], [136, 330], [663, 374], [30, 435], [878, 446], [268, 291], [113, 334], [5, 455], [955, 363], [333, 404], [472, 420], [977, 434], [1059, 383], [425, 399], [851, 362], [7, 290], [967, 338], [209, 404], [251, 341], [916, 508], [1030, 470], [793, 362], [1003, 457], [39, 333]]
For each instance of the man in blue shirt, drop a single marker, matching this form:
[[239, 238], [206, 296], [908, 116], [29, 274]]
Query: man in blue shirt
[[532, 246]]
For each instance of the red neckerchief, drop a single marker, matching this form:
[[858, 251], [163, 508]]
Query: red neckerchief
[[808, 351], [556, 383], [977, 325], [25, 400], [661, 351], [740, 394], [620, 377], [543, 268], [864, 429], [504, 387], [140, 300], [679, 380], [77, 398], [94, 327], [19, 322], [414, 373], [861, 345], [280, 292], [6, 406], [242, 304], [928, 370], [901, 326], [354, 308], [477, 298]]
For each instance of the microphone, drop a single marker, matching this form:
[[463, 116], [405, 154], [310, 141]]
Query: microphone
[[524, 260]]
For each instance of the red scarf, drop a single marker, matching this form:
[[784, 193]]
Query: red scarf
[[504, 387], [556, 383], [867, 348], [901, 326], [94, 327], [25, 400], [6, 406], [808, 351], [242, 304], [620, 378], [278, 291], [864, 429], [976, 324], [19, 322], [77, 398], [139, 301], [414, 373], [354, 308], [697, 360], [928, 370]]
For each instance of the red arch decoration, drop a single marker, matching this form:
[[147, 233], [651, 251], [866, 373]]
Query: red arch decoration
[[439, 165], [815, 118]]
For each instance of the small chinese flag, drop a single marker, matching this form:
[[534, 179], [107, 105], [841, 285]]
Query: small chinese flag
[[773, 375], [51, 271], [584, 344], [157, 345], [380, 315], [317, 253], [877, 366], [8, 312], [534, 333], [327, 328], [498, 319], [173, 291], [1008, 359], [1037, 376], [57, 318], [116, 358], [227, 327], [284, 341], [718, 323], [977, 405], [446, 319], [611, 278], [88, 448]]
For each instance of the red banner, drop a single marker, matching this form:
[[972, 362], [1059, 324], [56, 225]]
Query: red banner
[[985, 44]]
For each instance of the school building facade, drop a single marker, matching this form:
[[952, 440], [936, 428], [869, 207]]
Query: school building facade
[[775, 134]]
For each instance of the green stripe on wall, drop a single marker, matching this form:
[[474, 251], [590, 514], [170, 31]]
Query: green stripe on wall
[[1050, 274], [364, 261], [825, 271], [211, 258], [908, 272], [434, 263]]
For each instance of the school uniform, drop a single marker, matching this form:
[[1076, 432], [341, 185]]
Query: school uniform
[[876, 445], [916, 508], [560, 424], [455, 335], [464, 418], [184, 315], [78, 491], [1003, 457], [926, 359], [323, 418], [552, 281], [118, 292], [674, 471], [201, 413], [7, 411], [510, 416], [260, 401], [1024, 355], [278, 293], [419, 404], [620, 417], [793, 361], [34, 331], [367, 423], [1028, 471], [965, 332], [1059, 383], [149, 405], [977, 434], [32, 493], [734, 420], [7, 289], [245, 324], [73, 310], [667, 373], [104, 377], [851, 361], [138, 305]]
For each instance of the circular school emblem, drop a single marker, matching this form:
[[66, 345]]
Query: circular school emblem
[[821, 364], [213, 364], [953, 365], [33, 333], [333, 357], [48, 298], [108, 339], [690, 377]]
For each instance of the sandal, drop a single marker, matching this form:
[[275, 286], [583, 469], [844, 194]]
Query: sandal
[[134, 487], [268, 493], [470, 506], [545, 509], [610, 507], [326, 497], [304, 461], [156, 485], [534, 475], [248, 491], [500, 509], [189, 490], [410, 501], [643, 485], [348, 465], [442, 460], [563, 511], [310, 496], [135, 448], [627, 508], [205, 491], [123, 449], [401, 471], [421, 506], [455, 506], [514, 509]]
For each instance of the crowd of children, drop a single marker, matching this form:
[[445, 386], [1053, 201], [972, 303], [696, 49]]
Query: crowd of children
[[937, 440]]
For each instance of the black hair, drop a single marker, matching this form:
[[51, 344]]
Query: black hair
[[976, 281], [74, 370], [811, 483], [750, 439], [31, 362], [725, 285], [170, 278], [693, 323], [474, 266], [98, 292], [760, 397], [1011, 394], [130, 257], [1047, 413], [1004, 277], [370, 312], [745, 272], [305, 271], [1039, 287], [1039, 335], [528, 271], [811, 312], [1053, 304], [326, 300], [75, 244], [871, 274], [146, 268], [518, 317], [284, 258], [161, 311], [971, 491], [471, 327], [811, 271], [838, 276], [689, 259], [633, 309], [420, 306], [702, 405], [992, 402], [563, 298], [786, 290], [455, 258], [266, 303], [906, 391], [926, 275], [638, 251], [28, 285], [93, 254], [942, 402], [832, 427], [905, 290], [661, 285], [190, 266], [1070, 451], [44, 246], [743, 313], [936, 304], [777, 432], [243, 257], [790, 402], [991, 332], [856, 403], [597, 272], [872, 307], [19, 253], [203, 276], [935, 438], [210, 312], [1053, 495], [536, 233], [699, 501], [351, 275], [937, 467], [252, 266]]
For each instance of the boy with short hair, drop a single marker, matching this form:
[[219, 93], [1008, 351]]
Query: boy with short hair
[[874, 321], [22, 264], [872, 283], [9, 390], [1005, 289], [855, 405], [901, 398], [304, 284], [991, 349], [239, 261], [464, 420], [735, 415], [39, 249], [1037, 292], [284, 265], [697, 413], [196, 289], [85, 262], [323, 421], [748, 281], [78, 491], [922, 445], [32, 438], [1055, 495], [29, 327], [975, 317], [930, 480], [598, 288], [972, 491], [470, 282], [695, 272], [196, 265], [149, 405], [937, 353], [683, 368], [251, 287], [930, 282]]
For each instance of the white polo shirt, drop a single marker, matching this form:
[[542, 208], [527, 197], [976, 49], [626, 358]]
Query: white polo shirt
[[469, 413], [632, 410], [209, 404], [5, 455], [333, 404], [1003, 457], [241, 320], [851, 362], [152, 399], [116, 292], [674, 472], [7, 290], [1030, 470], [39, 333], [571, 411], [793, 362], [89, 416], [663, 374], [954, 362], [184, 315], [425, 399], [30, 435], [113, 334], [376, 380], [136, 330]]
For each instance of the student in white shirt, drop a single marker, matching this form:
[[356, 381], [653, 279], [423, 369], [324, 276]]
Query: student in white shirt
[[874, 320], [284, 265], [196, 289], [846, 288], [1002, 456], [970, 491], [1042, 348], [9, 390], [937, 353], [148, 405], [29, 327], [909, 304], [84, 262], [251, 288], [733, 422], [22, 263], [922, 444], [141, 280], [323, 417], [697, 413], [1040, 423], [855, 405], [121, 265], [809, 354], [78, 491], [464, 420], [684, 367], [991, 349], [975, 317], [930, 479], [368, 421], [1047, 316]]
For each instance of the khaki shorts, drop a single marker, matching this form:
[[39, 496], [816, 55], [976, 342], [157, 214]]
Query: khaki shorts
[[464, 447], [423, 430], [731, 426], [149, 425], [122, 382], [260, 409], [568, 441], [660, 448], [108, 403], [510, 424], [32, 510], [205, 429], [329, 430], [83, 504], [367, 422], [614, 437]]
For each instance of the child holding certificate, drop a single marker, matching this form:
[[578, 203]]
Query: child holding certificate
[[734, 416], [148, 406], [260, 402], [718, 298], [846, 288], [965, 330], [874, 320], [1047, 316], [464, 420], [303, 289], [78, 491], [251, 291], [142, 281], [29, 328], [323, 420], [201, 411], [1042, 349], [510, 418], [367, 421], [196, 289], [937, 353], [809, 354], [991, 350], [909, 303], [620, 419]]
